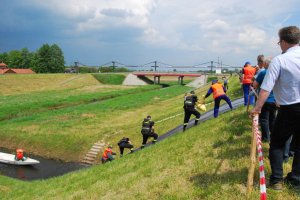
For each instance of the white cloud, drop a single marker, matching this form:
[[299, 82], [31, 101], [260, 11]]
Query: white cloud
[[196, 27]]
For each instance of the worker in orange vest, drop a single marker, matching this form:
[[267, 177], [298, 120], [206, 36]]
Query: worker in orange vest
[[20, 155], [247, 79], [108, 155], [219, 93]]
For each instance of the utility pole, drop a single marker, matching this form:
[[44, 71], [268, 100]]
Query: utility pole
[[155, 65], [113, 62], [76, 65], [211, 66]]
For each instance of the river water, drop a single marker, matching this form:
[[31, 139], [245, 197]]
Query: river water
[[45, 169]]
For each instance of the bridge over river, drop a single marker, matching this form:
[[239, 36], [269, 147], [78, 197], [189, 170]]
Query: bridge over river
[[157, 76]]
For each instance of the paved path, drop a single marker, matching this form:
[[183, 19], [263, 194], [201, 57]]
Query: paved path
[[205, 116]]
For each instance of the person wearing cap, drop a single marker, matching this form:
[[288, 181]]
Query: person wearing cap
[[148, 131], [219, 93], [248, 73], [125, 143], [190, 100], [283, 78], [108, 155]]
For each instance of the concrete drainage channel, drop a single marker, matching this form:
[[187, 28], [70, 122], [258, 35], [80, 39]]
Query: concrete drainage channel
[[51, 168]]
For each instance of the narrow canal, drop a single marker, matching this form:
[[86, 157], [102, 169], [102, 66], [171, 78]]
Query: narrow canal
[[45, 169]]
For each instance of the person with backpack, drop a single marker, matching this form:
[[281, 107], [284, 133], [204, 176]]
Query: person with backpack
[[125, 143], [190, 100], [148, 131], [219, 93]]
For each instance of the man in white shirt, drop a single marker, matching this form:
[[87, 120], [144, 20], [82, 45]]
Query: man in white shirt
[[283, 77]]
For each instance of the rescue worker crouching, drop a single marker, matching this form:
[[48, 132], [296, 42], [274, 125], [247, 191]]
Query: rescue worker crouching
[[108, 155], [125, 143], [189, 109], [20, 155], [148, 131]]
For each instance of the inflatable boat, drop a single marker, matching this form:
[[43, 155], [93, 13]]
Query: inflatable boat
[[10, 159]]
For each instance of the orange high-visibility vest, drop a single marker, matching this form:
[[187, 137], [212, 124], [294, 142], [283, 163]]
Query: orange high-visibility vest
[[107, 150], [249, 73], [217, 90], [20, 154]]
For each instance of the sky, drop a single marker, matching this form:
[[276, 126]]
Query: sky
[[136, 32]]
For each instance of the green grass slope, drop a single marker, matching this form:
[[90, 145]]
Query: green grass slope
[[209, 161], [112, 79]]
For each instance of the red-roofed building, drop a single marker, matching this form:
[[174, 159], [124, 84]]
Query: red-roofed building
[[5, 70], [3, 65]]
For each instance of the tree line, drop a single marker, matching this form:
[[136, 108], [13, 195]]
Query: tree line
[[47, 59]]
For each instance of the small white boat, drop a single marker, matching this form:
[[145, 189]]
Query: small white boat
[[10, 159]]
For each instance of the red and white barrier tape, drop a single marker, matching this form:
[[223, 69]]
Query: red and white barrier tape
[[262, 179]]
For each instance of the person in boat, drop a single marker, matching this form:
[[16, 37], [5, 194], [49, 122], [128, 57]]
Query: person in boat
[[108, 155], [20, 155]]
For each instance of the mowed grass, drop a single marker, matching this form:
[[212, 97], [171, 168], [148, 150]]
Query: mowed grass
[[209, 161], [64, 124], [23, 83]]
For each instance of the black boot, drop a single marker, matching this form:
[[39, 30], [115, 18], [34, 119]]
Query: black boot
[[184, 127]]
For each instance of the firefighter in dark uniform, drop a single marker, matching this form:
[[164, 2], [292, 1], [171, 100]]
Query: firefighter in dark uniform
[[125, 143], [189, 108], [148, 131]]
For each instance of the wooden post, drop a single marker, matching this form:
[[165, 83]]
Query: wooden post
[[252, 162]]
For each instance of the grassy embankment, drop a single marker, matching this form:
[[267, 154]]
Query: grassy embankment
[[209, 161], [64, 123]]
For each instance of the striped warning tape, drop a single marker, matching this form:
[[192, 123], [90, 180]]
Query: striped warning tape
[[262, 182]]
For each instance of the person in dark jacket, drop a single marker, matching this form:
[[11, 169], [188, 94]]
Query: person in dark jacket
[[125, 143], [148, 131], [190, 100]]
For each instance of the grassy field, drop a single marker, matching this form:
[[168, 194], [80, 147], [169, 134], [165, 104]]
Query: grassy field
[[205, 162], [63, 124], [209, 161]]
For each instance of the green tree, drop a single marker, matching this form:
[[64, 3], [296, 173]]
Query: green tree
[[4, 57], [14, 59], [49, 59], [57, 61], [26, 58]]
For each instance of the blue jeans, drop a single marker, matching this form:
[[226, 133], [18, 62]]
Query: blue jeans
[[217, 104], [267, 119], [246, 89], [286, 124]]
